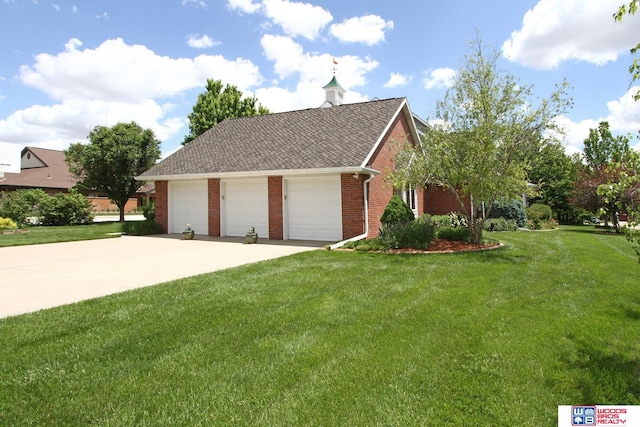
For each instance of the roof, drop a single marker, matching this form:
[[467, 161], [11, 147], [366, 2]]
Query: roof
[[332, 83], [340, 137], [53, 174]]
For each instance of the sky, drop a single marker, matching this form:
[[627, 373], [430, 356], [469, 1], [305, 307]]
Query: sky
[[68, 66]]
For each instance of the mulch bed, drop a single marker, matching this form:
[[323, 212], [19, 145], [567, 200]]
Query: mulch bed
[[447, 246]]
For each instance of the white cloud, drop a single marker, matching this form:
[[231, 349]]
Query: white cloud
[[297, 19], [623, 118], [196, 3], [313, 72], [246, 6], [56, 8], [111, 83], [440, 78], [397, 79], [74, 9], [201, 41], [559, 30], [369, 29], [103, 15]]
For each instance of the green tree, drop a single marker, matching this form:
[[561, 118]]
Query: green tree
[[634, 68], [605, 157], [490, 127], [553, 172], [111, 160], [216, 104]]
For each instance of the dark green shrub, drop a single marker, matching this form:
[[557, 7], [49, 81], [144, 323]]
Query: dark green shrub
[[539, 212], [70, 208], [500, 224], [21, 204], [458, 234], [141, 228], [509, 209], [397, 211], [413, 235], [149, 210]]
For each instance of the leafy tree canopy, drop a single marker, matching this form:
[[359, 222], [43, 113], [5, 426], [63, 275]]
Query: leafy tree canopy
[[490, 127], [216, 104], [111, 160]]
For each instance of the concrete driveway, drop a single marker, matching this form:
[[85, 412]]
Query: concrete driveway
[[44, 276]]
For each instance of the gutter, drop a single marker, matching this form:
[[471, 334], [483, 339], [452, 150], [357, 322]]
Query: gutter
[[366, 218]]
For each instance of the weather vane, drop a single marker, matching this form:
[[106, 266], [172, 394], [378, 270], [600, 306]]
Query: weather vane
[[334, 66]]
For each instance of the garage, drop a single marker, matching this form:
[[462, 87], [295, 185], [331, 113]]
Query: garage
[[314, 208], [188, 205], [244, 204]]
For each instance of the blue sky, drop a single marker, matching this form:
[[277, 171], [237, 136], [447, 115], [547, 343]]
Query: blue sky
[[67, 66]]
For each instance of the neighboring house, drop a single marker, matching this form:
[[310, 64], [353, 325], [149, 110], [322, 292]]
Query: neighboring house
[[46, 169], [315, 174]]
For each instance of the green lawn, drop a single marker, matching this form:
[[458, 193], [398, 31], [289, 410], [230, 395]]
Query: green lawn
[[496, 338], [38, 235]]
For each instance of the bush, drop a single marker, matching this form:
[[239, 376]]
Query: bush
[[500, 224], [21, 204], [141, 228], [374, 244], [397, 211], [66, 209], [509, 209], [440, 221], [457, 234], [149, 210], [7, 224], [539, 212], [412, 235]]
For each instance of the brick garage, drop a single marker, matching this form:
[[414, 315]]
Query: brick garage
[[352, 145]]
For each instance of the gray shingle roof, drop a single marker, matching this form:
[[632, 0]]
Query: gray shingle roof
[[318, 138]]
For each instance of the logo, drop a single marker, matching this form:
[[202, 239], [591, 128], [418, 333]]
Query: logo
[[583, 415]]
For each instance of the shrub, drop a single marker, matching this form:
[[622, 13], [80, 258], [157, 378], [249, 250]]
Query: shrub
[[509, 209], [66, 209], [7, 224], [413, 235], [500, 224], [141, 228], [539, 212], [397, 211], [149, 210], [374, 244], [21, 204], [457, 234], [440, 221]]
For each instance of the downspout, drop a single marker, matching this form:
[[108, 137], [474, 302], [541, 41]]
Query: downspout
[[366, 217]]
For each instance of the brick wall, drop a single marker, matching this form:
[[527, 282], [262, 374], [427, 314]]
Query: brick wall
[[162, 204], [441, 202], [352, 205], [276, 215], [104, 204], [213, 203], [380, 190]]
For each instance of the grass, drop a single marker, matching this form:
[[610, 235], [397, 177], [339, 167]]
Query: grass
[[495, 338], [38, 235]]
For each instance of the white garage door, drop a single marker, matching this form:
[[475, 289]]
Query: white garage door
[[245, 204], [314, 209], [189, 206]]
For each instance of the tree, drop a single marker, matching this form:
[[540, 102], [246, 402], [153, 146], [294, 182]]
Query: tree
[[487, 133], [553, 172], [114, 156], [216, 104], [605, 159], [634, 68]]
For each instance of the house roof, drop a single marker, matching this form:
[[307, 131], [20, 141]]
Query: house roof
[[339, 138], [52, 171]]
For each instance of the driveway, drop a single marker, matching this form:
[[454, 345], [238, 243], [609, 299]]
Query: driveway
[[44, 276]]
